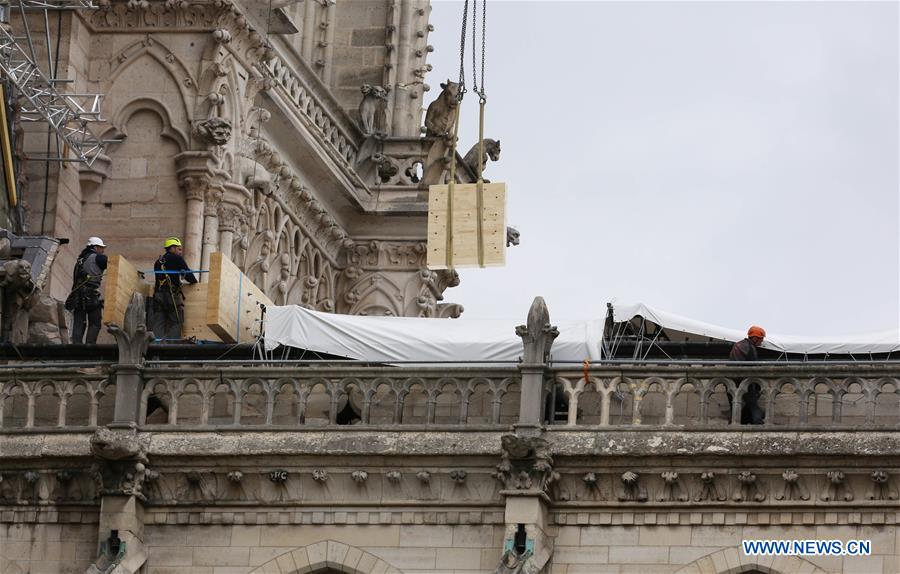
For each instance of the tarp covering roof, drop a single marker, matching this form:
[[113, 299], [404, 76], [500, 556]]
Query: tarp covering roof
[[403, 339], [683, 328], [387, 339]]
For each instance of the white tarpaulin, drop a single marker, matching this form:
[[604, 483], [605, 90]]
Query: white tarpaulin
[[389, 339], [882, 342], [386, 339]]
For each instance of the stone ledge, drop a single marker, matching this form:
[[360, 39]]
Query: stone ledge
[[417, 441], [653, 442]]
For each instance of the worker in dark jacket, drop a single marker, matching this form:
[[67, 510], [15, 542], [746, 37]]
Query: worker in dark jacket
[[85, 300], [745, 350], [168, 300]]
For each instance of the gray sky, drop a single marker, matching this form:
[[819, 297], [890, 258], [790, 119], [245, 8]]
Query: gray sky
[[735, 163]]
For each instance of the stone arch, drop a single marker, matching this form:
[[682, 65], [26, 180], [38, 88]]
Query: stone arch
[[170, 131], [9, 566], [167, 60], [142, 182], [327, 556], [723, 562]]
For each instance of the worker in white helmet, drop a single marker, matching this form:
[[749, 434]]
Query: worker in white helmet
[[85, 300]]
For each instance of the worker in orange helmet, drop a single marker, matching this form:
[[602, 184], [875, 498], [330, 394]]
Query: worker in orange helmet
[[745, 350]]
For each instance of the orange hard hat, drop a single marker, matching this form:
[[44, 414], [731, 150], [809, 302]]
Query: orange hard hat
[[755, 331]]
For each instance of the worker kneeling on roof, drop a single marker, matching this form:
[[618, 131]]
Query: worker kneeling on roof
[[168, 300]]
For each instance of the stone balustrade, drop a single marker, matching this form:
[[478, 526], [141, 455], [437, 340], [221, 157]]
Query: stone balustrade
[[628, 396], [304, 395], [39, 396], [804, 395]]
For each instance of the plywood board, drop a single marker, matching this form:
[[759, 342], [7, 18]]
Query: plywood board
[[464, 218], [195, 325], [120, 281], [224, 307], [233, 309]]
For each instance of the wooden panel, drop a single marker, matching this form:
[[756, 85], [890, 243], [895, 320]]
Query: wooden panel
[[195, 297], [224, 307], [465, 225], [233, 302], [120, 281]]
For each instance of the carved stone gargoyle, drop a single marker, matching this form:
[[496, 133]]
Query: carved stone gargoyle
[[133, 338], [526, 464], [512, 236], [491, 151], [121, 462], [19, 295], [538, 335], [513, 563], [214, 131]]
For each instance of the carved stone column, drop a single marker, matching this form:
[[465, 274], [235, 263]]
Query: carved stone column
[[210, 224], [537, 336], [229, 220], [526, 466], [132, 339], [526, 474], [194, 189], [120, 470], [198, 173]]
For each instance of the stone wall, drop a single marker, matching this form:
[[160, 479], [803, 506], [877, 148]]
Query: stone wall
[[47, 548], [713, 547], [240, 548], [247, 143]]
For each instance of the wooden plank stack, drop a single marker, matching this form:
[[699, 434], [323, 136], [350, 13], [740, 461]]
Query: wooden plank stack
[[233, 302], [224, 307], [464, 238], [119, 282]]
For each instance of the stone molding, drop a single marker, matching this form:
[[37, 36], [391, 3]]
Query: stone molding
[[733, 561], [329, 554], [723, 516]]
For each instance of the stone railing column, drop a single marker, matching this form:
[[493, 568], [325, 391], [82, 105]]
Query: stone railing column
[[132, 339], [526, 466], [537, 336]]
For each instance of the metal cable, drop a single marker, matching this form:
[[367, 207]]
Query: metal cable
[[462, 52], [474, 38], [483, 42]]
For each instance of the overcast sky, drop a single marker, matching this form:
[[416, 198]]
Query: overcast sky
[[735, 163]]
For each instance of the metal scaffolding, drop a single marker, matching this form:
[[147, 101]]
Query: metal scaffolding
[[68, 115]]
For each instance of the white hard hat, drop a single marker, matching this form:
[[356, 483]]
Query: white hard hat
[[95, 242]]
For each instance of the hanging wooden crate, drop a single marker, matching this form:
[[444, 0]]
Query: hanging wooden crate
[[465, 240]]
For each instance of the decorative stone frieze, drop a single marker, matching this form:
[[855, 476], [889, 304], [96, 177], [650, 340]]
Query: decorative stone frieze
[[631, 490], [836, 487], [793, 488], [526, 464]]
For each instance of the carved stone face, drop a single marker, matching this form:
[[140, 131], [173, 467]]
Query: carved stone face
[[451, 92], [16, 275], [215, 131], [493, 150], [221, 133]]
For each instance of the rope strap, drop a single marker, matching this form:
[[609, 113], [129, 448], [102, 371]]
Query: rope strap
[[450, 187]]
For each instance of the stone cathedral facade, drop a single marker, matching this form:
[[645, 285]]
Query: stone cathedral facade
[[287, 135], [288, 139]]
